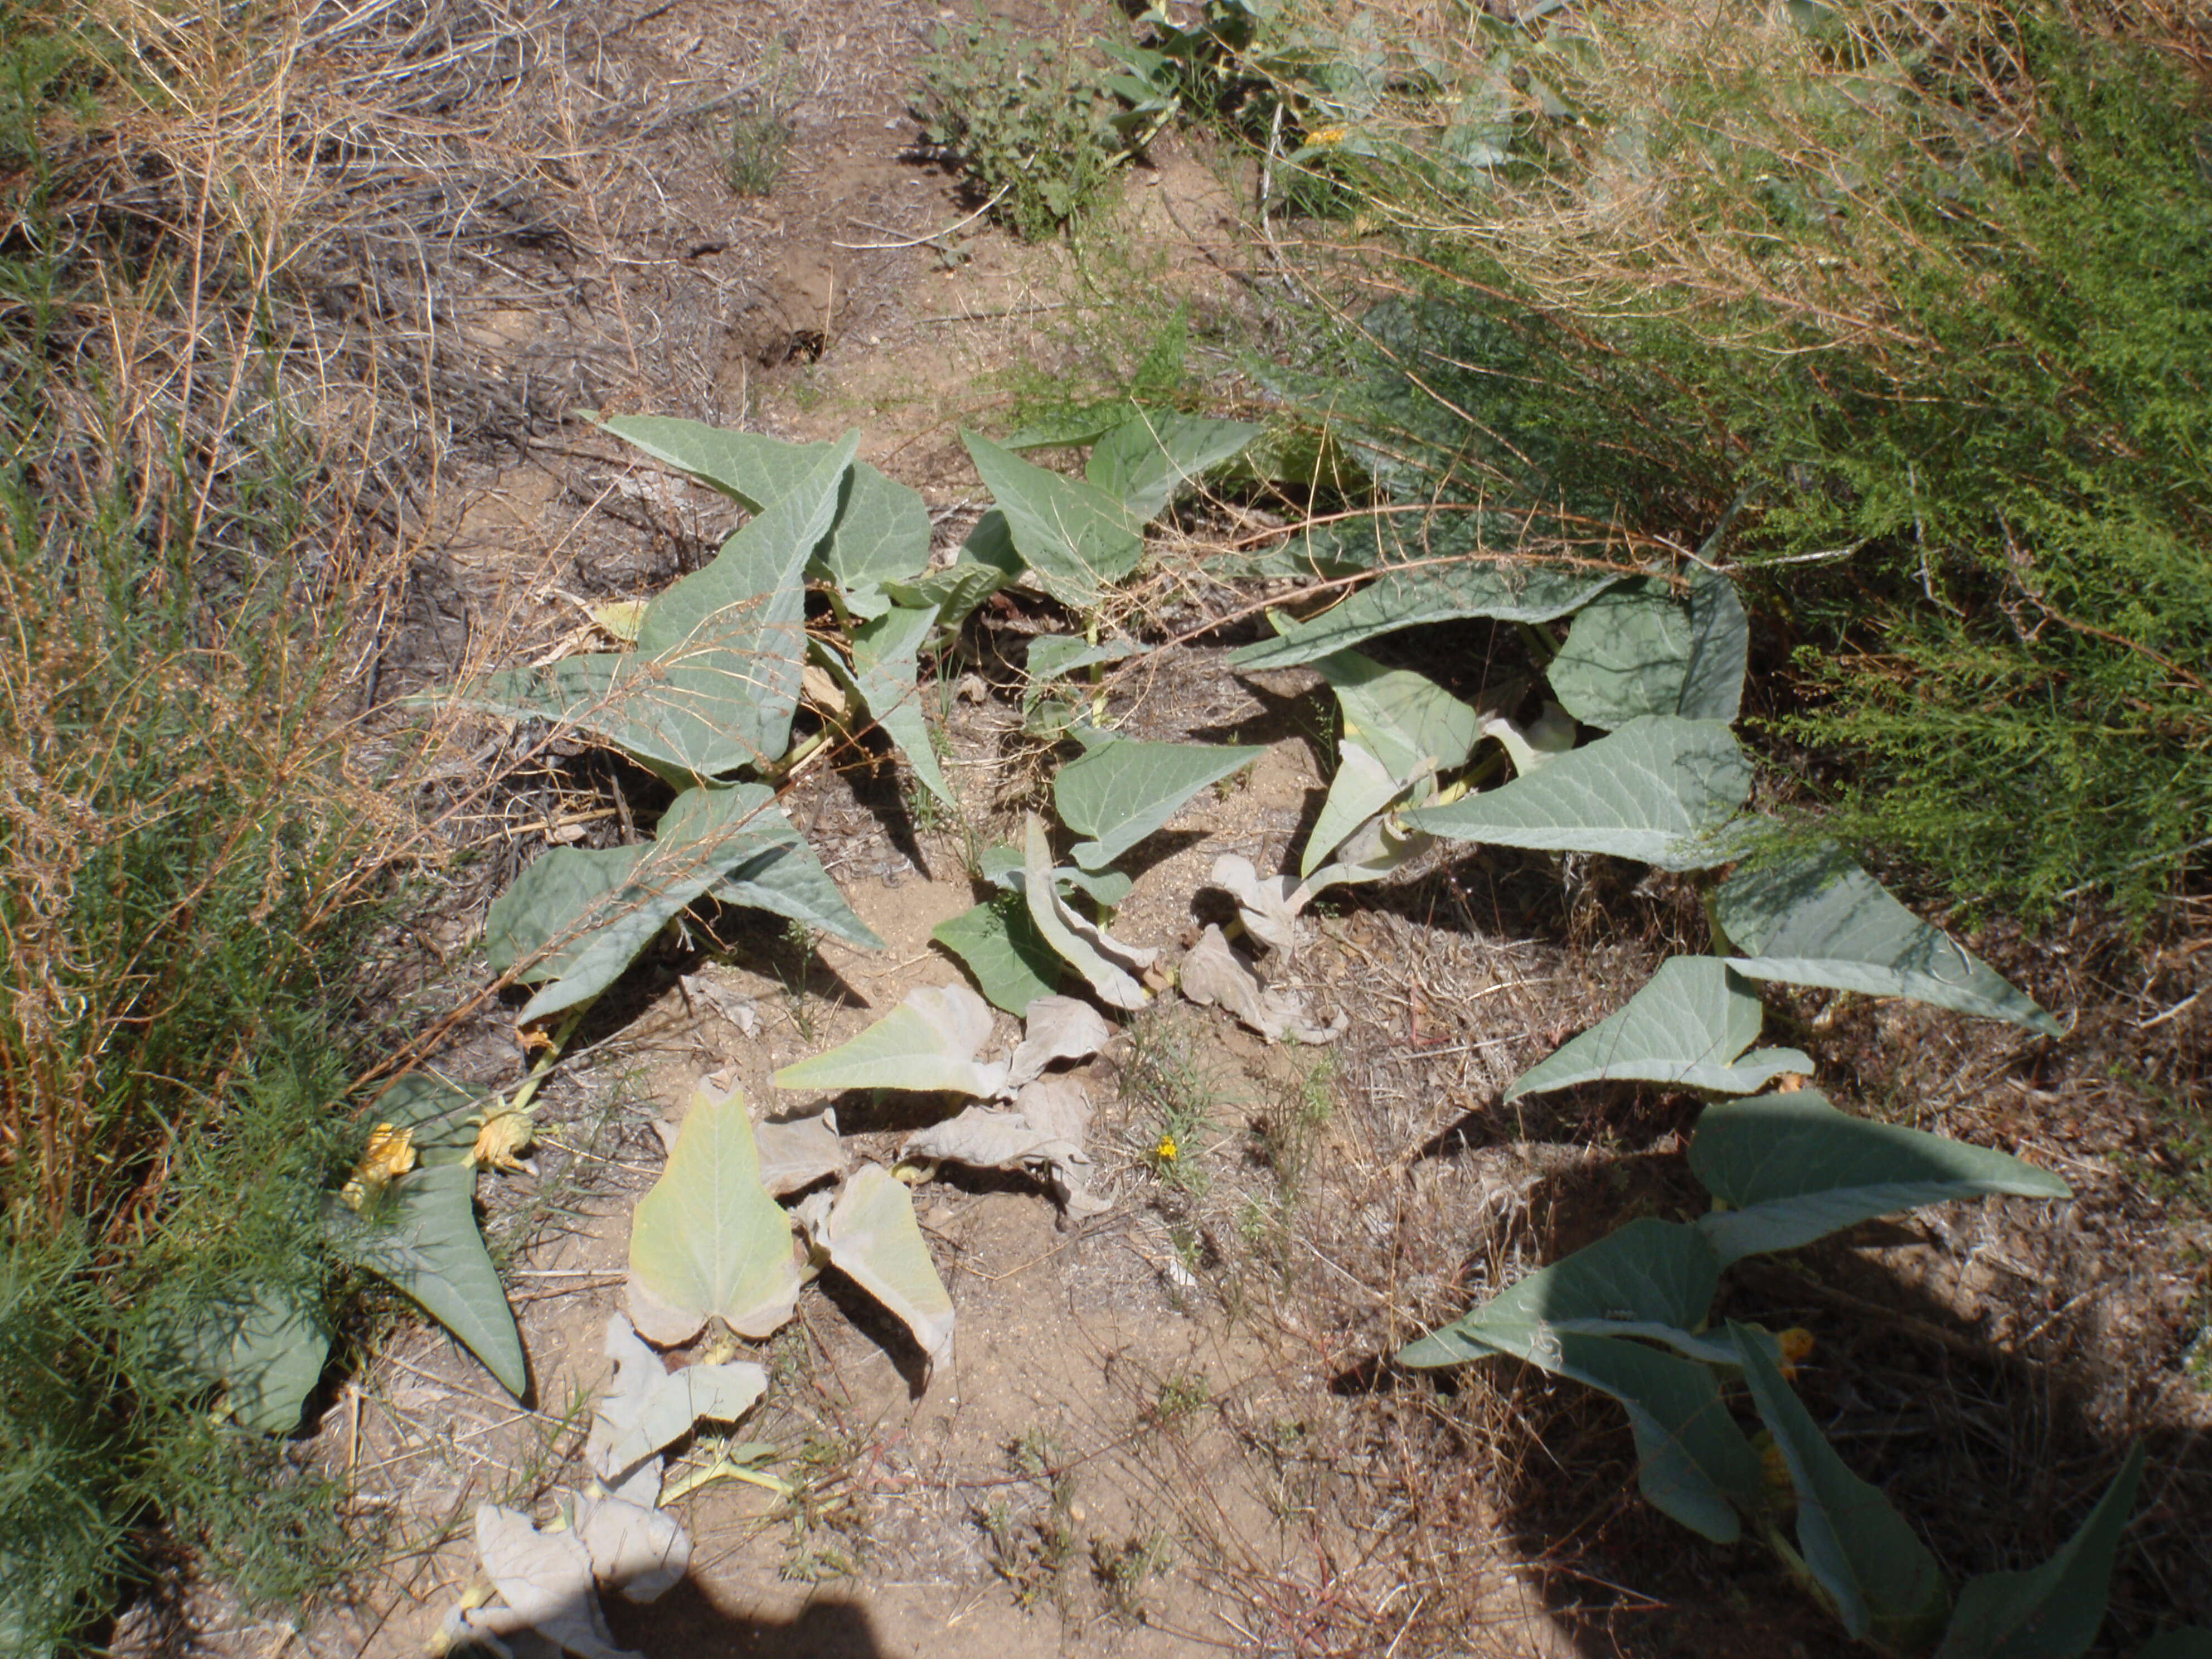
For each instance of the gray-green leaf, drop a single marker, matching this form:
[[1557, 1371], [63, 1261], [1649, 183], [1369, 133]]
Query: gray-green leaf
[[1720, 651], [1627, 654], [1406, 720], [1655, 790], [999, 943], [1885, 1586], [881, 531], [1818, 918], [1075, 537], [424, 1241], [2053, 1611], [1145, 462], [1686, 1028], [266, 1346], [579, 917], [1362, 787], [1120, 793], [1790, 1169], [721, 649], [885, 676], [1054, 656], [1428, 594], [1652, 1278]]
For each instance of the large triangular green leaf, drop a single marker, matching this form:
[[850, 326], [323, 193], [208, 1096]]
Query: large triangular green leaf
[[999, 943], [592, 911], [265, 1346], [1145, 462], [1074, 535], [1818, 918], [1651, 1279], [1885, 1585], [1720, 651], [1686, 1028], [1055, 656], [1655, 790], [423, 1239], [749, 467], [714, 679], [1362, 787], [881, 531], [927, 1043], [1788, 1168], [886, 677], [780, 874], [873, 1238], [708, 1239], [1405, 719], [1627, 654], [881, 537], [723, 647], [1428, 594], [952, 593], [1648, 1272], [1120, 793], [2053, 1611]]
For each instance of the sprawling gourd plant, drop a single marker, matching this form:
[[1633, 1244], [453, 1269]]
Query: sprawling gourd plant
[[705, 693]]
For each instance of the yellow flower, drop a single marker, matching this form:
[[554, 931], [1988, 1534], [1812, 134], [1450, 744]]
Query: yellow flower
[[1321, 137], [390, 1152], [1165, 1151], [501, 1140], [1796, 1346], [1774, 1471]]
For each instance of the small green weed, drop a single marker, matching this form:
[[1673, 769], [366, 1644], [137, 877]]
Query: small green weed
[[1029, 120], [1178, 1398], [1121, 1569], [1030, 1550], [760, 126], [1171, 1085]]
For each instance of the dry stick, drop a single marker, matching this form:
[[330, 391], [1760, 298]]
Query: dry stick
[[997, 197]]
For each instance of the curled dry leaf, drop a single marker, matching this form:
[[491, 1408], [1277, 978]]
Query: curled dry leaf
[[986, 1140], [1214, 975], [1056, 1106], [545, 1580], [1057, 1029], [799, 1151], [871, 1238], [1269, 909], [649, 1408], [639, 1550], [1110, 966]]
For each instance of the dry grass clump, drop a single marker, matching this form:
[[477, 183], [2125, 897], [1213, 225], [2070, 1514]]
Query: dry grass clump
[[216, 474]]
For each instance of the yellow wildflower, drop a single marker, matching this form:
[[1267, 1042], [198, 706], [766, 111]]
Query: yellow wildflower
[[502, 1140], [390, 1152], [1165, 1151], [1322, 137], [1796, 1346]]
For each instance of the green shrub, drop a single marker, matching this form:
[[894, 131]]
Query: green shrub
[[1922, 299]]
